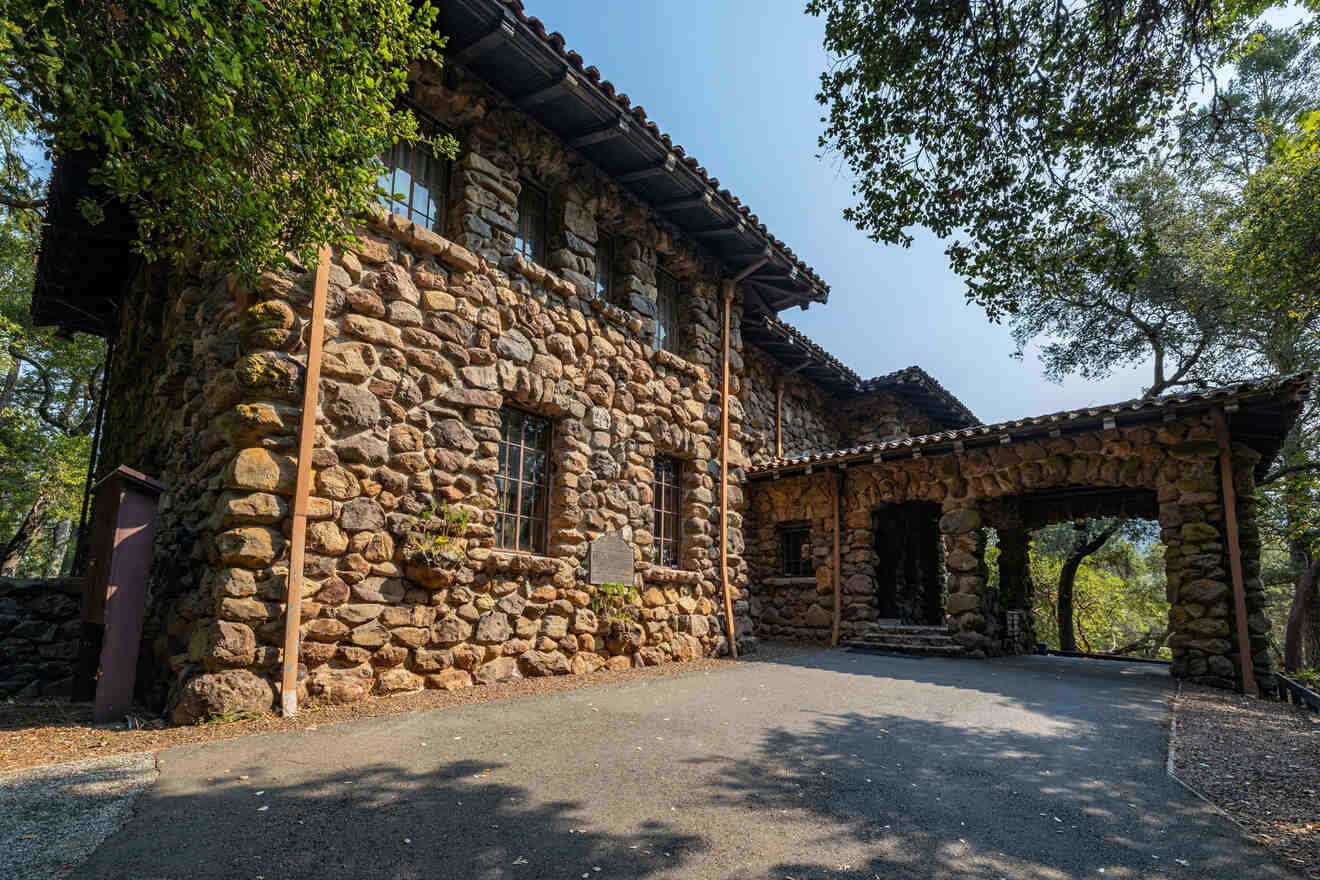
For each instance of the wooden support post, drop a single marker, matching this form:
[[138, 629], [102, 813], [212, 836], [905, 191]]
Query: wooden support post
[[1234, 552], [838, 575], [302, 487], [729, 627], [779, 418]]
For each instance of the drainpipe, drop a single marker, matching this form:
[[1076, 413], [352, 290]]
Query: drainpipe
[[729, 285], [302, 487], [1234, 552]]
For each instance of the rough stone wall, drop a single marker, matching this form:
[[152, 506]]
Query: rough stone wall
[[879, 418], [175, 412], [1177, 460], [425, 343], [810, 416], [39, 629]]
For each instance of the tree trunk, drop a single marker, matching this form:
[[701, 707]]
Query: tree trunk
[[1082, 548], [1298, 616], [12, 555], [10, 384], [1067, 575], [59, 547]]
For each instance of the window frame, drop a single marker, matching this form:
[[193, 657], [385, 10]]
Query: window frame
[[788, 565], [606, 246], [666, 312], [435, 221], [540, 248], [539, 519], [666, 507]]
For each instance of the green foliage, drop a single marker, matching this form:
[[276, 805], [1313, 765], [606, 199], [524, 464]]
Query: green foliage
[[233, 131], [1118, 598], [611, 601], [48, 386], [1004, 120], [1139, 284], [1009, 121], [431, 533]]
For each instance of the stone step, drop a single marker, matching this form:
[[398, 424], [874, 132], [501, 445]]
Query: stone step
[[941, 638], [908, 629], [886, 646]]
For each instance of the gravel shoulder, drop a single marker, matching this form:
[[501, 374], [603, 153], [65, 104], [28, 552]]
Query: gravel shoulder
[[52, 818], [1257, 761]]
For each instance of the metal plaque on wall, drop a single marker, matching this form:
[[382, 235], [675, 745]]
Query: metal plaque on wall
[[610, 560]]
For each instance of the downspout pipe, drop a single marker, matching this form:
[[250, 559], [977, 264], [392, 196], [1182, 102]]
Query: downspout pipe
[[730, 285], [302, 487]]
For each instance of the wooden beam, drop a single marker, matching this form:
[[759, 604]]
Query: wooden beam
[[779, 418], [696, 201], [566, 83], [302, 487], [614, 129], [724, 477], [736, 229], [483, 44], [665, 167], [1234, 552], [838, 576]]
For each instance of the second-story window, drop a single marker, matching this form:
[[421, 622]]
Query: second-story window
[[666, 330], [533, 222], [416, 184], [605, 268], [668, 485]]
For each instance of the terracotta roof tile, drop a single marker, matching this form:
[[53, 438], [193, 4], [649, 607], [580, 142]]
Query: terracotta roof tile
[[1299, 382]]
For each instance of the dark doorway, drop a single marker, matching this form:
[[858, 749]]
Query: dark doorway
[[909, 565]]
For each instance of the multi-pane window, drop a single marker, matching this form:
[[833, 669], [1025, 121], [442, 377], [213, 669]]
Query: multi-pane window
[[795, 548], [523, 482], [533, 222], [604, 268], [416, 183], [668, 482], [666, 331]]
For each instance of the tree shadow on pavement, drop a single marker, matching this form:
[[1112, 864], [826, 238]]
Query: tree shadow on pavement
[[377, 820], [898, 797]]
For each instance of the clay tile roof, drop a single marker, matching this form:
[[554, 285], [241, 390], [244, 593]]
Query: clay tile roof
[[1266, 437], [556, 42], [913, 384]]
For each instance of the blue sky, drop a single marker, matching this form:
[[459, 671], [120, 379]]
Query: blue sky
[[734, 82]]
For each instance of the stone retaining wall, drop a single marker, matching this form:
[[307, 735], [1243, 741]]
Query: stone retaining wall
[[39, 630]]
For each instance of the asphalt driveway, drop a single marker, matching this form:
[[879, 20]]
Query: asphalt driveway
[[828, 765]]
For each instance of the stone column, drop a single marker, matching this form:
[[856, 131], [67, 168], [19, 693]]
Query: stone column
[[1196, 565], [964, 558], [1015, 587]]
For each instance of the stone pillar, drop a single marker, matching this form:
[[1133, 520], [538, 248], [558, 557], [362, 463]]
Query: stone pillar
[[1015, 587], [1196, 565], [483, 207], [964, 558]]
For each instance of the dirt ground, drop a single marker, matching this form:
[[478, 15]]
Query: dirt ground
[[34, 732], [1258, 761]]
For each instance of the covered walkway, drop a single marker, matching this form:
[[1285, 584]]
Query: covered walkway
[[1164, 459]]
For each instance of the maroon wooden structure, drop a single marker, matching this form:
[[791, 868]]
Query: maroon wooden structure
[[115, 593]]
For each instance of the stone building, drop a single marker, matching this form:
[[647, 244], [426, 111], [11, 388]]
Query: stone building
[[565, 336]]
